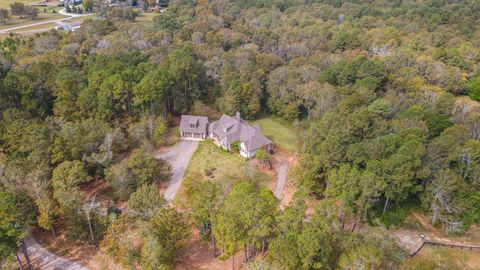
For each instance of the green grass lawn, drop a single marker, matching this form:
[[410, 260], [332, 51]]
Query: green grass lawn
[[6, 3], [279, 132], [210, 162], [45, 26], [146, 17], [431, 258], [16, 21]]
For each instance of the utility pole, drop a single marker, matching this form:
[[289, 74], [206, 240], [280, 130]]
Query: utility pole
[[19, 261], [24, 249], [25, 252]]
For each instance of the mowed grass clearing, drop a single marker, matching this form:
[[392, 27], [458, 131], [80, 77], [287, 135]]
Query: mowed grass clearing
[[42, 17], [212, 163], [431, 258], [7, 3], [279, 132]]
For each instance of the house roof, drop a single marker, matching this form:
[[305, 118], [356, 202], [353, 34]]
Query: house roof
[[236, 129], [200, 123]]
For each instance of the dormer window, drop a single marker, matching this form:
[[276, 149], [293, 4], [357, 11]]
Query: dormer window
[[192, 125]]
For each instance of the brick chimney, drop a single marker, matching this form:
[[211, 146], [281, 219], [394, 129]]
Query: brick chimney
[[237, 116]]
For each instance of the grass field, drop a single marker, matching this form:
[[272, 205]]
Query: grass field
[[6, 3], [279, 132], [210, 162], [45, 26], [16, 21], [432, 258]]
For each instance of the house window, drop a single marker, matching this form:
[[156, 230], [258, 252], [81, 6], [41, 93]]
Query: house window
[[192, 125]]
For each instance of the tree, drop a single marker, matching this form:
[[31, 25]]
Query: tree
[[146, 168], [88, 5], [473, 88], [140, 168], [204, 202], [121, 179], [4, 15], [18, 214], [119, 241], [164, 237], [145, 202], [18, 9], [65, 180], [31, 11], [246, 218]]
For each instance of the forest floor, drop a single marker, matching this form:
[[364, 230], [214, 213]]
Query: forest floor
[[197, 254]]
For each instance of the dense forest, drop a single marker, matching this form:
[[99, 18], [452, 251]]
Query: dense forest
[[383, 90]]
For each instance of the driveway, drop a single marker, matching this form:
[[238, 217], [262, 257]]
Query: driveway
[[43, 259], [178, 156]]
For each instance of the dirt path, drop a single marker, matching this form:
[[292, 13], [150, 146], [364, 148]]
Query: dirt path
[[179, 157], [43, 259], [411, 240], [282, 173]]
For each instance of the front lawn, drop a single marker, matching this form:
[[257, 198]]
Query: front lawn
[[210, 162], [279, 132]]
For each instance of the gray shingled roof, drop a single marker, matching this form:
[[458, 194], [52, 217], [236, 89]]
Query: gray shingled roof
[[238, 130], [200, 123]]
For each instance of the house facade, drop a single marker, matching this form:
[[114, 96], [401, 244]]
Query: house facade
[[226, 132], [194, 127], [230, 130]]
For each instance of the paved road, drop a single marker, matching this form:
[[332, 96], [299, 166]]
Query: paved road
[[179, 157], [43, 259], [282, 172]]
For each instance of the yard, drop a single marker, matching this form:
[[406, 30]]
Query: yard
[[6, 3], [42, 17], [279, 132], [443, 258], [210, 162]]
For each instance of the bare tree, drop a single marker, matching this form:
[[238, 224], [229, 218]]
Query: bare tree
[[87, 208]]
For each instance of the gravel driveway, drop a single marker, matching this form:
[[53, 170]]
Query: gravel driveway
[[178, 156]]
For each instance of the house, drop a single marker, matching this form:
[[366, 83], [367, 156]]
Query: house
[[229, 130], [194, 127]]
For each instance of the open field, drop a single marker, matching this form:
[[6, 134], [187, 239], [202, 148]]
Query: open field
[[443, 258], [146, 17], [6, 3], [281, 134], [43, 26], [16, 21], [210, 162]]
